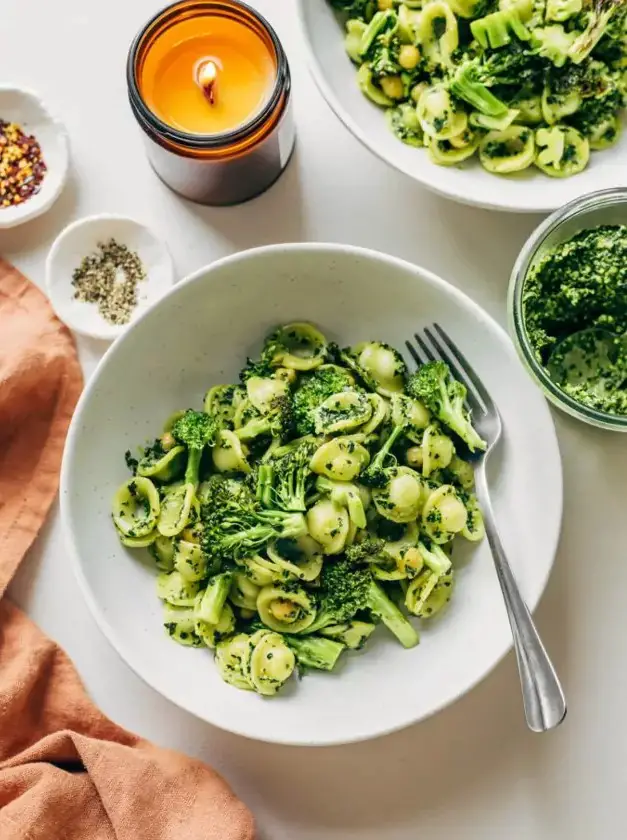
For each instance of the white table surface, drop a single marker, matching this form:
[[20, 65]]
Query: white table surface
[[473, 772]]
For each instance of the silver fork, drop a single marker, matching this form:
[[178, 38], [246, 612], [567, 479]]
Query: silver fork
[[543, 697]]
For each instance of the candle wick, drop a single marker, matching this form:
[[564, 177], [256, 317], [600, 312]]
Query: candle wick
[[207, 79]]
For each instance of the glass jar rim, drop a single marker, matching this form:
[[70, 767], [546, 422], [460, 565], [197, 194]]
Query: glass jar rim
[[518, 328], [151, 123]]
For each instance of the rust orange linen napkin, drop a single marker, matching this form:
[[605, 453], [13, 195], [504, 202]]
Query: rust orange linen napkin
[[66, 771]]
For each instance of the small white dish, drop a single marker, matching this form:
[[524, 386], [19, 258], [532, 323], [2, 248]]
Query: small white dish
[[25, 108], [529, 192], [199, 335], [79, 240]]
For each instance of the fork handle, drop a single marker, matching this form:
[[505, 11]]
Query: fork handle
[[543, 697]]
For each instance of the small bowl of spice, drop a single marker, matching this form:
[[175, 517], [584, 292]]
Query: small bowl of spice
[[34, 157], [104, 271], [568, 308]]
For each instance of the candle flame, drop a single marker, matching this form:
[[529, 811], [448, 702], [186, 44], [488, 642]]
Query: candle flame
[[207, 79]]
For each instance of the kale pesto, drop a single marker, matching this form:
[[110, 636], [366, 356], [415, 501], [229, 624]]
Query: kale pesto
[[578, 287]]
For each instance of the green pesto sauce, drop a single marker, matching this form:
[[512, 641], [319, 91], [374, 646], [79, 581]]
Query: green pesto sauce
[[582, 285]]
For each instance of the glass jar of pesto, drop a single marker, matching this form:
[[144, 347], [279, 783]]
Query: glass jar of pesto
[[567, 308]]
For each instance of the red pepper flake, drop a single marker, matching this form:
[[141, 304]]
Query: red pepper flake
[[22, 166]]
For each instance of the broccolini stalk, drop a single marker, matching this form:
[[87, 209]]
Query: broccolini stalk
[[282, 482], [315, 651], [434, 384], [354, 635], [381, 606], [374, 475], [435, 558], [601, 13], [214, 598]]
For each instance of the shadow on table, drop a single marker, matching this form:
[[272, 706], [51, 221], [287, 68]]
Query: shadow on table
[[275, 216], [45, 228]]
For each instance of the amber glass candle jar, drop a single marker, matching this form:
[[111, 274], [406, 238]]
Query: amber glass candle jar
[[209, 84]]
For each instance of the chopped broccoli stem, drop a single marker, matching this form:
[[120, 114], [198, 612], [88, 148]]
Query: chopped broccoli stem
[[315, 651], [214, 598], [380, 605]]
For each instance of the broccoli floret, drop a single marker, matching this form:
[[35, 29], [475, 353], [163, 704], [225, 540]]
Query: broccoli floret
[[434, 384], [599, 17], [235, 524], [315, 651], [346, 590], [516, 67], [552, 42], [313, 390], [195, 429], [278, 422], [365, 551], [283, 482], [496, 30], [468, 84]]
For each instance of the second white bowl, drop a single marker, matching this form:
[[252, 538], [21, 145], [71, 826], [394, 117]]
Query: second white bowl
[[530, 192]]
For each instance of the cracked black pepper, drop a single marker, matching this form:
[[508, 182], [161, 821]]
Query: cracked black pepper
[[109, 279]]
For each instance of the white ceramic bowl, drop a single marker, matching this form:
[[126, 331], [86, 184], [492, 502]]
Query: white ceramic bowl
[[200, 334], [26, 109], [81, 239], [531, 191]]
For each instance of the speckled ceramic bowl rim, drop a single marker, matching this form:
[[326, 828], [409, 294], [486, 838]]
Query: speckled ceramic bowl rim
[[41, 202], [517, 327]]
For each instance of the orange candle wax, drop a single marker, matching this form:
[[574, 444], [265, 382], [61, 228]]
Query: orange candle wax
[[237, 61]]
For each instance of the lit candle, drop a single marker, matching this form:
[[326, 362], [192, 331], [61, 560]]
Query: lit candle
[[207, 78], [209, 82]]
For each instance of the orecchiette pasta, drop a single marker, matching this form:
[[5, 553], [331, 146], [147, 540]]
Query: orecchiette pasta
[[508, 151], [328, 524], [341, 458], [447, 72], [136, 507], [402, 498], [444, 514], [290, 610], [343, 412], [284, 541]]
